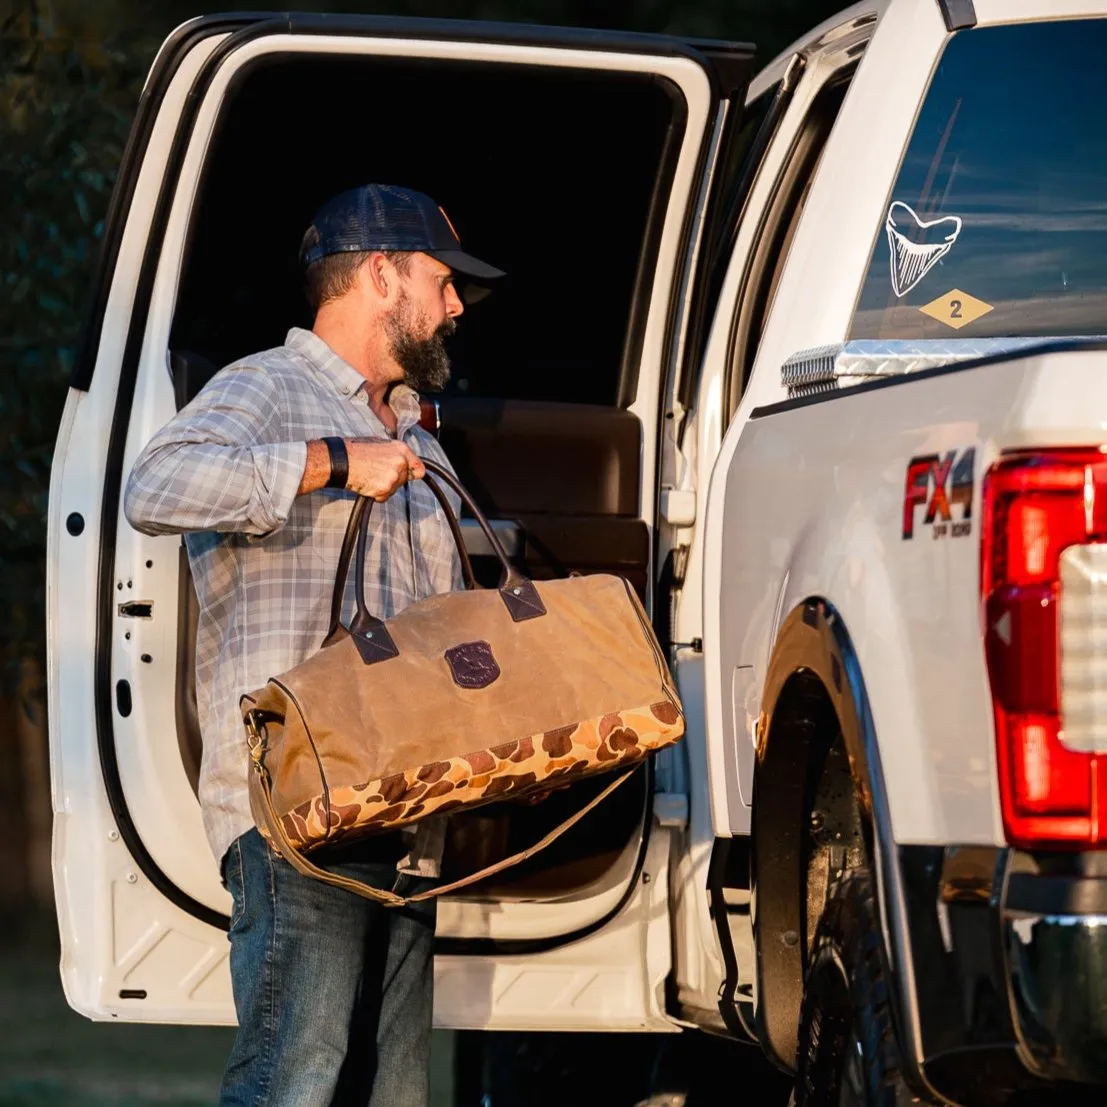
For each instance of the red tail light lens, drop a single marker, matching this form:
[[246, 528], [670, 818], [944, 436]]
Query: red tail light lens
[[1035, 507]]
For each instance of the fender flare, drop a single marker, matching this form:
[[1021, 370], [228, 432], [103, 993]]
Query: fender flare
[[813, 640]]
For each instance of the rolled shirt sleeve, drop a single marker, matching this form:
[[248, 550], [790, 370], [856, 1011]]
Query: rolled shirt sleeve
[[218, 464]]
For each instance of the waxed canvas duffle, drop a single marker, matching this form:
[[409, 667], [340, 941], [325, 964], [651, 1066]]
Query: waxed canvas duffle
[[461, 699]]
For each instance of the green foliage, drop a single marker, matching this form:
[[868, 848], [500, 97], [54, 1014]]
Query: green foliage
[[65, 109]]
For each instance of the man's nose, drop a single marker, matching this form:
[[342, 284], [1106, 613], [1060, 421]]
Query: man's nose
[[454, 306]]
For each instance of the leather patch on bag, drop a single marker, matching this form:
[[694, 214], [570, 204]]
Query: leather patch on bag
[[472, 664]]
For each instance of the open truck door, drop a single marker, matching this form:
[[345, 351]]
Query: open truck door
[[577, 160]]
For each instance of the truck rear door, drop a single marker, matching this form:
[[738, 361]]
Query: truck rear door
[[578, 161]]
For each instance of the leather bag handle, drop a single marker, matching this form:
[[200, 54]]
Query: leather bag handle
[[370, 634], [510, 574], [361, 506], [359, 519], [305, 867], [519, 595]]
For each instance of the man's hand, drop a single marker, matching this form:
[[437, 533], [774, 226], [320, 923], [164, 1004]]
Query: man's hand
[[377, 469]]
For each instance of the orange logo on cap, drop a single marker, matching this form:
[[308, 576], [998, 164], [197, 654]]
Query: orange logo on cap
[[449, 224]]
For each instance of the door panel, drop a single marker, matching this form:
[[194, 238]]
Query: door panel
[[568, 475], [138, 892], [119, 915], [528, 457]]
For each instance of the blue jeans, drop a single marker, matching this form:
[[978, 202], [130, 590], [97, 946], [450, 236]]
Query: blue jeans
[[333, 993]]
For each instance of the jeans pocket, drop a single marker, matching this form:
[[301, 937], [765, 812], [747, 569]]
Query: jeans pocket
[[233, 881]]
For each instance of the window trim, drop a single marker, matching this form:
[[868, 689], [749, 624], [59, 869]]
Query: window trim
[[729, 210], [752, 299]]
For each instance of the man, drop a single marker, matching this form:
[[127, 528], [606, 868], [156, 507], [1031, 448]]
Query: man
[[333, 994]]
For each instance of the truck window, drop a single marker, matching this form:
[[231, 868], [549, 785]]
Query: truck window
[[997, 223]]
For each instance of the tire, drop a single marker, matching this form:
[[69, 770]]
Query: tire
[[848, 1055]]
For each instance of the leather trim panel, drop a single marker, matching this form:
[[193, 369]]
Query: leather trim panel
[[521, 456]]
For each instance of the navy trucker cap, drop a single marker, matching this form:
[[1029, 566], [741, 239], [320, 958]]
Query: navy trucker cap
[[386, 217]]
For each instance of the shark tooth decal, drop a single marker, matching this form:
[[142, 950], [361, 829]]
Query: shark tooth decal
[[915, 245]]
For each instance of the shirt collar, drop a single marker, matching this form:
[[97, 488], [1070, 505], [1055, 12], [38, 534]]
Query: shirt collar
[[403, 400]]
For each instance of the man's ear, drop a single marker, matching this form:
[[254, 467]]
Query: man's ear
[[380, 273]]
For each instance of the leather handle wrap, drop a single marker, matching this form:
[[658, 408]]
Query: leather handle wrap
[[302, 865]]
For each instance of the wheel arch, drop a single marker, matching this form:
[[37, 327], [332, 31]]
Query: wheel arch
[[814, 692]]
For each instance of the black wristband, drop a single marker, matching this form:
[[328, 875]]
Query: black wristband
[[340, 463]]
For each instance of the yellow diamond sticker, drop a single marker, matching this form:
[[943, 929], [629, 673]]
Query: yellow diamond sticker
[[956, 309]]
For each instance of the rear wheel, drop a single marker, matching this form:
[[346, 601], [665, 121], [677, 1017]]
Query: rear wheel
[[848, 1054]]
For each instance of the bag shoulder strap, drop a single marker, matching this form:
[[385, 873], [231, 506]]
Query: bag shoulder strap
[[302, 865]]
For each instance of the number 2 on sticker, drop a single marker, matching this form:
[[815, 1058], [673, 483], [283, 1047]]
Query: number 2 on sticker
[[956, 308]]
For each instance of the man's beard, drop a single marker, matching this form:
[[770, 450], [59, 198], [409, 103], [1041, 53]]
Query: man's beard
[[425, 363]]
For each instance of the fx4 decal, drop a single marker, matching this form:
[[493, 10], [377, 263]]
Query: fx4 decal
[[940, 483]]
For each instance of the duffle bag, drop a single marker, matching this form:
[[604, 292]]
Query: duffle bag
[[462, 699]]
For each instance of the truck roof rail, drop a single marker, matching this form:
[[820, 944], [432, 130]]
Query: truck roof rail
[[958, 14]]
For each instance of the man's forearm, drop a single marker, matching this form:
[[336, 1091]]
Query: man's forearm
[[180, 486], [317, 468], [177, 487]]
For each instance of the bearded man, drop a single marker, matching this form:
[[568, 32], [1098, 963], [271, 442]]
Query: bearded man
[[333, 993]]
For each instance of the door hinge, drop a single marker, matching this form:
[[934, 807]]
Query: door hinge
[[678, 506]]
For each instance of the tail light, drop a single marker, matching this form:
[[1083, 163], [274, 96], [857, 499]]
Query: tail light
[[1044, 585]]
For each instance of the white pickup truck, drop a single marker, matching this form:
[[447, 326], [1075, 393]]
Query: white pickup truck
[[811, 357]]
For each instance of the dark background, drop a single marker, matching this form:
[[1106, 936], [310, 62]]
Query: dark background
[[70, 76]]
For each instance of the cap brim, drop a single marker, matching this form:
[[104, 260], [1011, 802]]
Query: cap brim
[[461, 262]]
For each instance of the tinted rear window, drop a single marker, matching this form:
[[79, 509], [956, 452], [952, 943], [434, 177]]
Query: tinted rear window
[[997, 224]]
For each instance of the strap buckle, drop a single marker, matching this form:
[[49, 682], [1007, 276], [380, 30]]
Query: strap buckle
[[256, 738]]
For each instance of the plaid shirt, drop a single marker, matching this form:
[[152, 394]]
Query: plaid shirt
[[225, 472]]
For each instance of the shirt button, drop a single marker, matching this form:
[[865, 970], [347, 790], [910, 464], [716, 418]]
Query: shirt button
[[345, 390]]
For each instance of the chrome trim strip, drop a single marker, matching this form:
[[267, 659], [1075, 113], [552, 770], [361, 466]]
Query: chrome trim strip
[[841, 364]]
